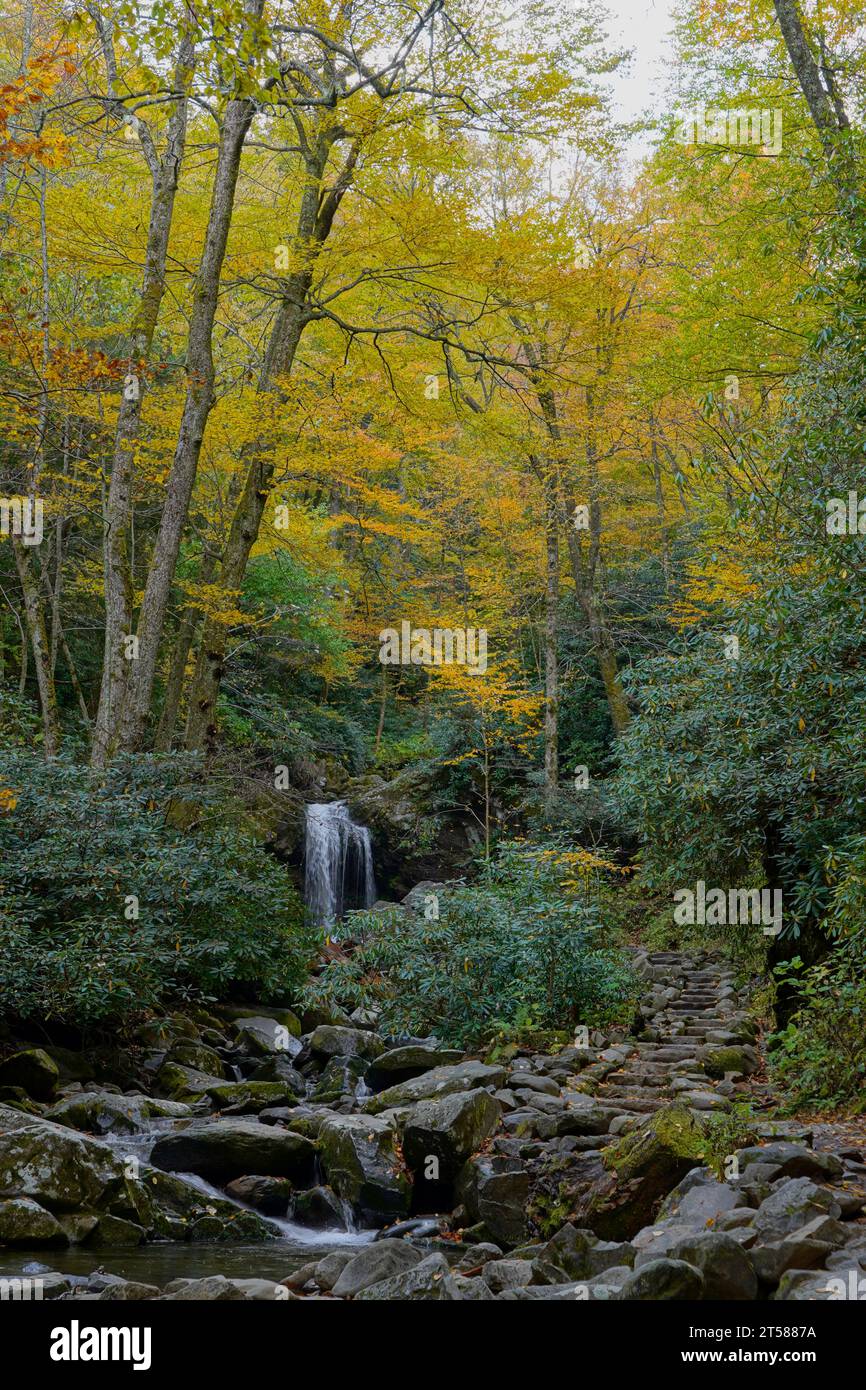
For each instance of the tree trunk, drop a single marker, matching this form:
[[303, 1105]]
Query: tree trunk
[[116, 556], [35, 618], [551, 645], [197, 407], [315, 221]]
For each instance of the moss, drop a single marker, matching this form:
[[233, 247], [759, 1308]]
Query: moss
[[672, 1130], [724, 1059]]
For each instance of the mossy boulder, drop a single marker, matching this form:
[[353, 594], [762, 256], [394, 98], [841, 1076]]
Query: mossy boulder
[[104, 1112], [33, 1070], [185, 1083], [616, 1194], [449, 1131], [249, 1097], [188, 1053], [441, 1081], [718, 1061], [24, 1222], [220, 1150], [57, 1167], [363, 1165]]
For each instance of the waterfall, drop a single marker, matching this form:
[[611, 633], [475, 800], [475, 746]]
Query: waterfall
[[338, 855]]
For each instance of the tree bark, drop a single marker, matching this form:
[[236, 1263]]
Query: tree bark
[[116, 553], [197, 407], [35, 619], [315, 220]]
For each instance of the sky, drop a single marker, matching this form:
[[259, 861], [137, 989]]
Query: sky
[[643, 26]]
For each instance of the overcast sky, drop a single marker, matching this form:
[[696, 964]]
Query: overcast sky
[[643, 26]]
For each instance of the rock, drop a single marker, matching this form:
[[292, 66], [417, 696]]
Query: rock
[[223, 1149], [266, 1035], [128, 1290], [24, 1222], [792, 1205], [213, 1289], [361, 1162], [242, 1012], [249, 1097], [574, 1254], [278, 1067], [112, 1231], [186, 1053], [727, 1270], [432, 1085], [404, 1063], [528, 1081], [507, 1274], [494, 1191], [429, 1281], [449, 1130], [270, 1196], [184, 1083], [717, 1061], [103, 1112], [328, 1040], [317, 1207], [699, 1197], [379, 1261], [663, 1280], [328, 1270], [340, 1078], [802, 1285], [57, 1167], [33, 1070], [616, 1195], [792, 1161], [804, 1248]]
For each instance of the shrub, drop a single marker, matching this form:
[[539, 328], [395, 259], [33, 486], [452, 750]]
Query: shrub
[[820, 1056], [108, 906], [518, 950]]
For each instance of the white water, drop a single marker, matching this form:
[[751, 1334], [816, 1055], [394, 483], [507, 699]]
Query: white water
[[338, 856]]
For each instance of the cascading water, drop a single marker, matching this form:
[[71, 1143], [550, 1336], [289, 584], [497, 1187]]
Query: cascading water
[[338, 855]]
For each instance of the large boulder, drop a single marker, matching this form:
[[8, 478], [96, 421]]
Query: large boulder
[[663, 1280], [728, 1272], [441, 1081], [577, 1255], [105, 1112], [24, 1222], [220, 1150], [404, 1063], [264, 1035], [429, 1281], [362, 1164], [448, 1130], [330, 1040], [33, 1070], [615, 1194], [494, 1189], [382, 1260], [182, 1083], [57, 1167], [188, 1053], [791, 1205]]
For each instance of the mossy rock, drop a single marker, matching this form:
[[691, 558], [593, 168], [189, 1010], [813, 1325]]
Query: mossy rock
[[721, 1060], [616, 1194], [33, 1070]]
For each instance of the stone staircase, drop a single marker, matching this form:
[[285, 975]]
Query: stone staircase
[[694, 1018]]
